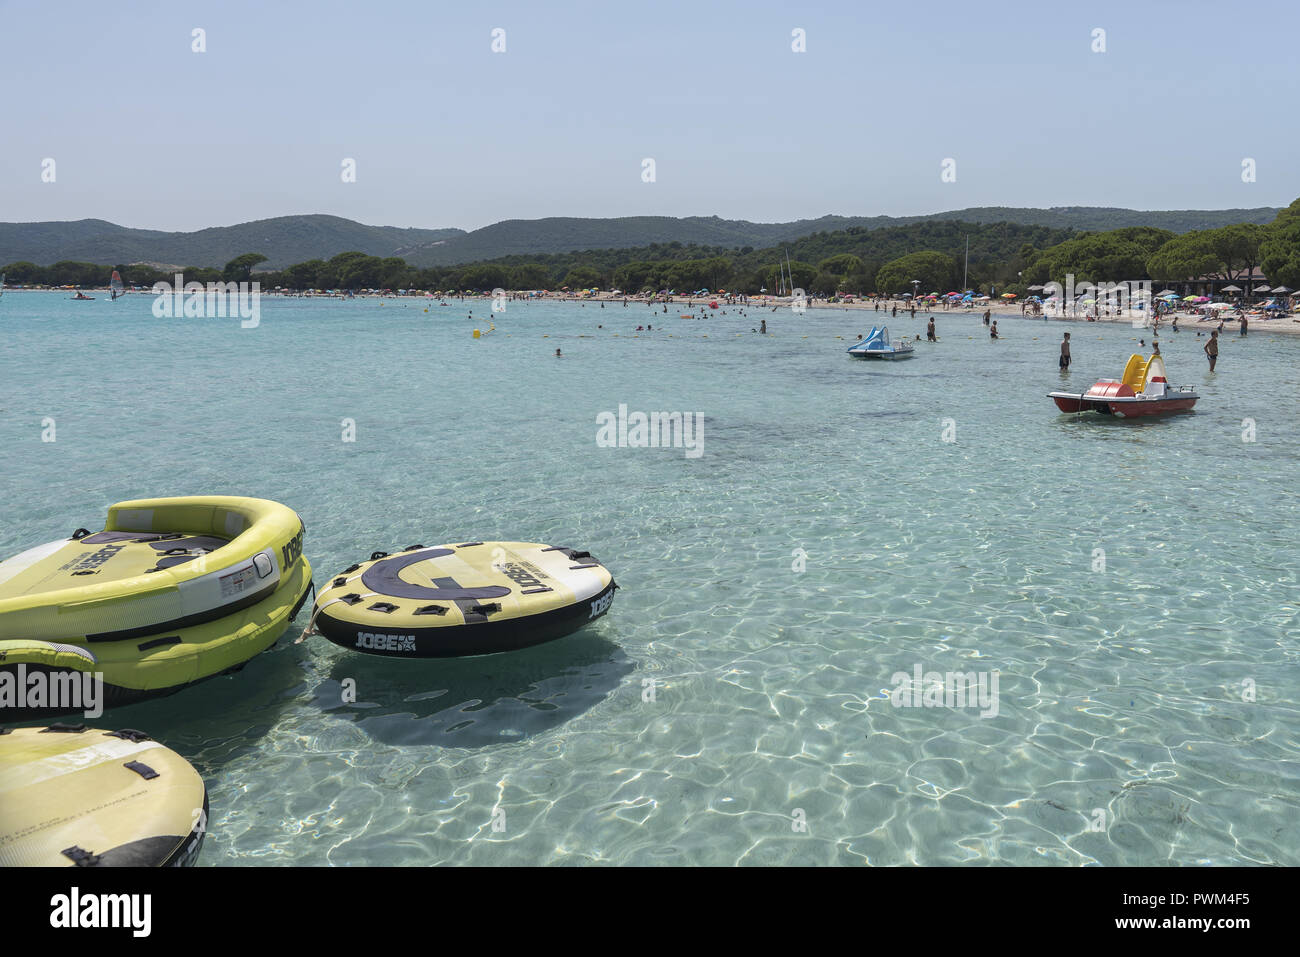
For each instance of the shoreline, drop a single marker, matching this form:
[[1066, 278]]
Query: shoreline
[[760, 308]]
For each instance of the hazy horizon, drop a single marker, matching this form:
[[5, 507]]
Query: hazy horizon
[[148, 134]]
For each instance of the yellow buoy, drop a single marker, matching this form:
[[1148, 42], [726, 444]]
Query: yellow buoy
[[476, 334]]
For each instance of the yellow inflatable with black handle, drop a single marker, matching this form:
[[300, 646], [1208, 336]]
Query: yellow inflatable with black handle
[[475, 598], [158, 564], [71, 795], [168, 602]]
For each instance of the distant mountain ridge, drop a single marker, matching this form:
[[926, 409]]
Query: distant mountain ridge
[[286, 240]]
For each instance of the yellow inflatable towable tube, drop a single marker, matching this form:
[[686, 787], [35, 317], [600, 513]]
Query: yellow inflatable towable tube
[[72, 795], [171, 592], [476, 598], [158, 564]]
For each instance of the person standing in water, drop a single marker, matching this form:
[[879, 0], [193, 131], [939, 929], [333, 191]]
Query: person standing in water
[[929, 330], [1212, 348], [762, 326], [1243, 323], [993, 330], [1065, 353]]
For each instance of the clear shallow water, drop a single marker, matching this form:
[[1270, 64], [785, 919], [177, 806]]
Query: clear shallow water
[[1119, 690]]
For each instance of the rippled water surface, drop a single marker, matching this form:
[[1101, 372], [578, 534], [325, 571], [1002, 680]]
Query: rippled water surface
[[1133, 585]]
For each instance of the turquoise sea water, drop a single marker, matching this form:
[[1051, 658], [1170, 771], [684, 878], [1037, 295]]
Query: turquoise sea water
[[728, 697]]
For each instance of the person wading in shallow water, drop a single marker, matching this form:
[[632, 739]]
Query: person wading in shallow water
[[1065, 353], [1212, 348], [929, 330]]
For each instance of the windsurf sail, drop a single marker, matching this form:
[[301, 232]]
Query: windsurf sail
[[115, 285]]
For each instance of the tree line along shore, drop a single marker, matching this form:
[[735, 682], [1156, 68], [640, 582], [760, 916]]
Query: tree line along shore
[[931, 256]]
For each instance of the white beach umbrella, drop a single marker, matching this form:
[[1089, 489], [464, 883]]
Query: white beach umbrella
[[1230, 289]]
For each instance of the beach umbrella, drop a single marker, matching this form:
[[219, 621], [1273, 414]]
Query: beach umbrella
[[1231, 289], [1261, 289], [1008, 295], [1279, 289], [1189, 298], [1220, 305], [1168, 292]]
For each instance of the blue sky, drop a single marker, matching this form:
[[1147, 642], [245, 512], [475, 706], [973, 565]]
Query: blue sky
[[445, 132]]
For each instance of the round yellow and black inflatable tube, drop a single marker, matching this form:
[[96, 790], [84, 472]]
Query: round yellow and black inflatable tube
[[476, 598], [36, 676], [159, 564], [71, 795]]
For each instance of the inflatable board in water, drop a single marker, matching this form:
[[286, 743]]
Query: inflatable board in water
[[73, 795], [476, 598]]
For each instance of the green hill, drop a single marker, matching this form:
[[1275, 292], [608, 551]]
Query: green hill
[[293, 239], [519, 237], [284, 240]]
